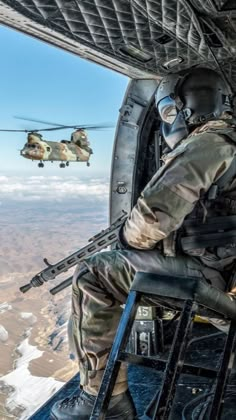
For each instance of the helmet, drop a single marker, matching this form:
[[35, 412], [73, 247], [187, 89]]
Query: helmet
[[183, 101]]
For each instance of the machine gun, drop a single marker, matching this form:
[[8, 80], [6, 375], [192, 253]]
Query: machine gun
[[96, 243]]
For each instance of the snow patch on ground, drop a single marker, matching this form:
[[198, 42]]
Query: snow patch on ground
[[30, 392], [26, 315], [5, 307], [29, 316], [3, 334]]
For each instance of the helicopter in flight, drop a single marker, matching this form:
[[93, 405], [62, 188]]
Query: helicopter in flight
[[77, 149]]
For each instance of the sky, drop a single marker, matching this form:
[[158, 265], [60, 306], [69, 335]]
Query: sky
[[43, 82], [46, 83]]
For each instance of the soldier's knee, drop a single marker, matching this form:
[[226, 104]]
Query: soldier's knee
[[79, 273], [102, 259], [97, 267]]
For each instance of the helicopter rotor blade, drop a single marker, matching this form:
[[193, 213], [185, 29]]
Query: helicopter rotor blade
[[18, 117], [65, 126], [32, 131], [93, 127], [74, 127], [15, 131], [57, 126]]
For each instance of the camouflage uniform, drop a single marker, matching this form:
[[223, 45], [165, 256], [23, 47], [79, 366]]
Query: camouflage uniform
[[168, 198]]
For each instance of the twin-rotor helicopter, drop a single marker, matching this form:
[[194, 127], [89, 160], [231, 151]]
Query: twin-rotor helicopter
[[77, 149]]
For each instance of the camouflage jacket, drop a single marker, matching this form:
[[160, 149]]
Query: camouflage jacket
[[173, 192]]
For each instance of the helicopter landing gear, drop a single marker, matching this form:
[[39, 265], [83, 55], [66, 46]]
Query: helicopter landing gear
[[67, 163], [41, 165], [62, 165], [88, 164]]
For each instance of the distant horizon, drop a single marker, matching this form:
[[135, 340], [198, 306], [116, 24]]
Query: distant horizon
[[54, 188]]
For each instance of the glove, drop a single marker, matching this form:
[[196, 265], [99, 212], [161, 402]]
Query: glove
[[121, 242]]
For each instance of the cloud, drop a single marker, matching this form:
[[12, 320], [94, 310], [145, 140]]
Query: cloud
[[52, 188]]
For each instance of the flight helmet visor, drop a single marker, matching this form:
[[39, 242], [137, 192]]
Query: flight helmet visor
[[167, 110]]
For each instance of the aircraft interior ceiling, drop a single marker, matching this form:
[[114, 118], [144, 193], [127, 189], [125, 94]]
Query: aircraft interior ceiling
[[140, 39]]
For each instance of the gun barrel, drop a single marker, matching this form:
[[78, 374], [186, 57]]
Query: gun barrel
[[100, 241], [61, 286], [25, 288]]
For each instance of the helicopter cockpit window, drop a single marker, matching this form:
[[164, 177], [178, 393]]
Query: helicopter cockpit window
[[33, 146]]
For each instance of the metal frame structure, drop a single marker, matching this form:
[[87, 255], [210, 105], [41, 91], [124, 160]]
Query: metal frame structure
[[161, 404]]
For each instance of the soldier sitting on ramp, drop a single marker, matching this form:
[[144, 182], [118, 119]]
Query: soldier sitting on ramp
[[196, 184]]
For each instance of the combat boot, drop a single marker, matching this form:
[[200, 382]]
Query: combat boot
[[121, 407]]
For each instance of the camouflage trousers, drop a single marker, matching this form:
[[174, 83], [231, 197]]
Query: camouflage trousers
[[100, 286]]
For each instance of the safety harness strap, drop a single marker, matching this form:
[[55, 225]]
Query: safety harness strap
[[215, 231], [229, 134]]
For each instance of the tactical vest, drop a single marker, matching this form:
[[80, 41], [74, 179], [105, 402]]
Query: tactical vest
[[212, 223]]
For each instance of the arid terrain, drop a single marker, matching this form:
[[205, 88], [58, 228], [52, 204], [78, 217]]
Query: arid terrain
[[34, 354]]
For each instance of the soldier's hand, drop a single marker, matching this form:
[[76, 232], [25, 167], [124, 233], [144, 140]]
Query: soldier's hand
[[121, 242], [232, 294]]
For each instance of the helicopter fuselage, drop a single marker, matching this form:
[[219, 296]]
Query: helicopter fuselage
[[65, 151]]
